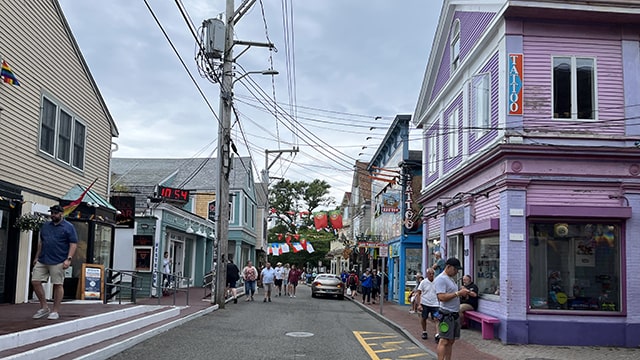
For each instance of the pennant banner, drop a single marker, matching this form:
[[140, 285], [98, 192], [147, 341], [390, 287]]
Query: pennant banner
[[320, 220], [336, 219]]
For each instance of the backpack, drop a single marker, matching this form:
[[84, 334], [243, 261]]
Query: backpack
[[353, 280]]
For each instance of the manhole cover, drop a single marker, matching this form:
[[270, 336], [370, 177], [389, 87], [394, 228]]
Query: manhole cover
[[299, 334]]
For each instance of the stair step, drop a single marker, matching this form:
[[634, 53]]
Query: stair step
[[68, 337]]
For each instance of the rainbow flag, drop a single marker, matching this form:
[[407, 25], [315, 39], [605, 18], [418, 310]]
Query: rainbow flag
[[74, 204], [7, 74]]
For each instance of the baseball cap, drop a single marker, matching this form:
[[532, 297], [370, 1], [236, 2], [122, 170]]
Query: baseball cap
[[56, 209], [454, 262]]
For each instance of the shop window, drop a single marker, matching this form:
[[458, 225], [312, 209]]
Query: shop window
[[487, 266], [455, 247], [574, 266]]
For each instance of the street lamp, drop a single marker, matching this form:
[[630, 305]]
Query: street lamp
[[271, 72]]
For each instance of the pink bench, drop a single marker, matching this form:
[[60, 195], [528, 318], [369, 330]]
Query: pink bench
[[486, 321]]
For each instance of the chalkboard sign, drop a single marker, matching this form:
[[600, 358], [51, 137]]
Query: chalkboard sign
[[91, 282]]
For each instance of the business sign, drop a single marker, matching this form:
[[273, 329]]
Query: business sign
[[516, 78]]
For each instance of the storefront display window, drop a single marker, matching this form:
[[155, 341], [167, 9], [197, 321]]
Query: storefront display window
[[413, 266], [574, 266], [487, 266]]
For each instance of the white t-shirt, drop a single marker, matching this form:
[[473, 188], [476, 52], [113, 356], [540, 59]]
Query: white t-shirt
[[166, 265], [428, 293], [444, 284], [279, 273]]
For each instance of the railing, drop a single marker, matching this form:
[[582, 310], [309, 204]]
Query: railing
[[114, 284], [208, 283], [170, 285]]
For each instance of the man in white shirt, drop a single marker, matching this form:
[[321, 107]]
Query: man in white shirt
[[429, 303], [279, 277]]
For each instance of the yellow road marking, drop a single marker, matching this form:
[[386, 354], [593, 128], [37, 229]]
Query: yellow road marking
[[364, 338]]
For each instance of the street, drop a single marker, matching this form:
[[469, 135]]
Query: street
[[286, 328]]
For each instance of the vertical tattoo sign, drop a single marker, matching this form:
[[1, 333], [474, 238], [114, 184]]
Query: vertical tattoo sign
[[516, 77]]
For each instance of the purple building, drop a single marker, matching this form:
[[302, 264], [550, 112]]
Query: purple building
[[531, 166]]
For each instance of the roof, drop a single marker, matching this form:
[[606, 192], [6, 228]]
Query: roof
[[90, 197], [196, 174]]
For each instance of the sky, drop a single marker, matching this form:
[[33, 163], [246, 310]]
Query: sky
[[346, 69]]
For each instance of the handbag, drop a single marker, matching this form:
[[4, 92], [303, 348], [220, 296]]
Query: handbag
[[349, 291]]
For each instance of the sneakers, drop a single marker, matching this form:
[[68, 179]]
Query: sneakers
[[412, 311], [425, 336], [269, 299], [235, 300], [264, 300], [436, 337], [41, 313], [53, 316]]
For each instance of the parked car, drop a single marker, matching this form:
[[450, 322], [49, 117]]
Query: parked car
[[327, 284]]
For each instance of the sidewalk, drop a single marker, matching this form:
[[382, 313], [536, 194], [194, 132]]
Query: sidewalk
[[471, 346]]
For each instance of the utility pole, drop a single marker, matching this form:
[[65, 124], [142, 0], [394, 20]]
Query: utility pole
[[265, 177], [224, 142]]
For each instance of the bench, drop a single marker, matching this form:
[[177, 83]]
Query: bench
[[486, 321]]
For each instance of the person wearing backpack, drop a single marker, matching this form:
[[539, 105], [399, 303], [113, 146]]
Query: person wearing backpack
[[352, 283]]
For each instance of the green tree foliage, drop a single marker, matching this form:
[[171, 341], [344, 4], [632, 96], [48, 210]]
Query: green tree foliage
[[289, 198], [320, 240]]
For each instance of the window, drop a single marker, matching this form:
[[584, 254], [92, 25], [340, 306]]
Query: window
[[455, 46], [453, 134], [487, 265], [574, 88], [481, 102], [61, 135], [433, 155], [574, 266], [455, 246], [245, 209]]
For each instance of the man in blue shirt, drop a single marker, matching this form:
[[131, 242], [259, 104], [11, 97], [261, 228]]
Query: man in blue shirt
[[56, 247], [268, 276]]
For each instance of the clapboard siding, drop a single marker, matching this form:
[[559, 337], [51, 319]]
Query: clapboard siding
[[433, 228], [39, 47], [572, 195], [484, 208], [539, 50]]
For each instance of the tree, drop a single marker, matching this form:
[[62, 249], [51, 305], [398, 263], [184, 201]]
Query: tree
[[289, 199]]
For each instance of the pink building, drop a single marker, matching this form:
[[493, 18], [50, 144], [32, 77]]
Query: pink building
[[531, 167]]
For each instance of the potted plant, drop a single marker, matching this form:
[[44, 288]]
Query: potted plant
[[30, 222]]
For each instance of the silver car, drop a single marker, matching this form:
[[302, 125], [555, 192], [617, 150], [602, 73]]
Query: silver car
[[327, 284]]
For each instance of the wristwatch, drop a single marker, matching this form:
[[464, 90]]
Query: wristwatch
[[69, 258]]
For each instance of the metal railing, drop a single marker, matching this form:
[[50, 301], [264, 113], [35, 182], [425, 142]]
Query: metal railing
[[170, 285], [116, 282]]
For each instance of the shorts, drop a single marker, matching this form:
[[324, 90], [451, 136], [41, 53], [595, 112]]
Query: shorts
[[278, 282], [267, 287], [426, 310], [42, 272], [231, 284], [449, 327], [293, 283]]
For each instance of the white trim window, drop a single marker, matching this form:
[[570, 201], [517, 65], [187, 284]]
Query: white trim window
[[432, 164], [62, 135], [481, 102], [455, 46], [453, 132], [574, 88]]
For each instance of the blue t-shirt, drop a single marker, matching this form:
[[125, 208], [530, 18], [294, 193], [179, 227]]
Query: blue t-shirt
[[55, 240], [367, 281], [440, 265], [444, 284], [268, 275]]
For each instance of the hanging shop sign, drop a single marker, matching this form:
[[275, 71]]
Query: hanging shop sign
[[516, 78]]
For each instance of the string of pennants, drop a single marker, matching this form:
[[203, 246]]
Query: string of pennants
[[276, 249]]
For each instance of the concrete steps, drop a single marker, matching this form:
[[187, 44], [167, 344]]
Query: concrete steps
[[87, 337]]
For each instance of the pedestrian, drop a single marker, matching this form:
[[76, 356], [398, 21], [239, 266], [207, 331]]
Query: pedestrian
[[352, 283], [344, 276], [469, 302], [449, 297], [56, 246], [414, 299], [376, 282], [438, 265], [268, 276], [166, 269], [233, 275], [279, 276], [294, 277], [249, 275], [429, 303], [285, 279], [366, 282]]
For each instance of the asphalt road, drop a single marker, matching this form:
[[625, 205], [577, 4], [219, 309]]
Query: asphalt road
[[287, 328]]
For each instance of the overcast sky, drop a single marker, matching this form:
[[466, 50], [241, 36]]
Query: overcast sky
[[342, 63]]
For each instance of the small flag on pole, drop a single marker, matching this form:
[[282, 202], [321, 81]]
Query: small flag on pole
[[74, 204], [7, 74]]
